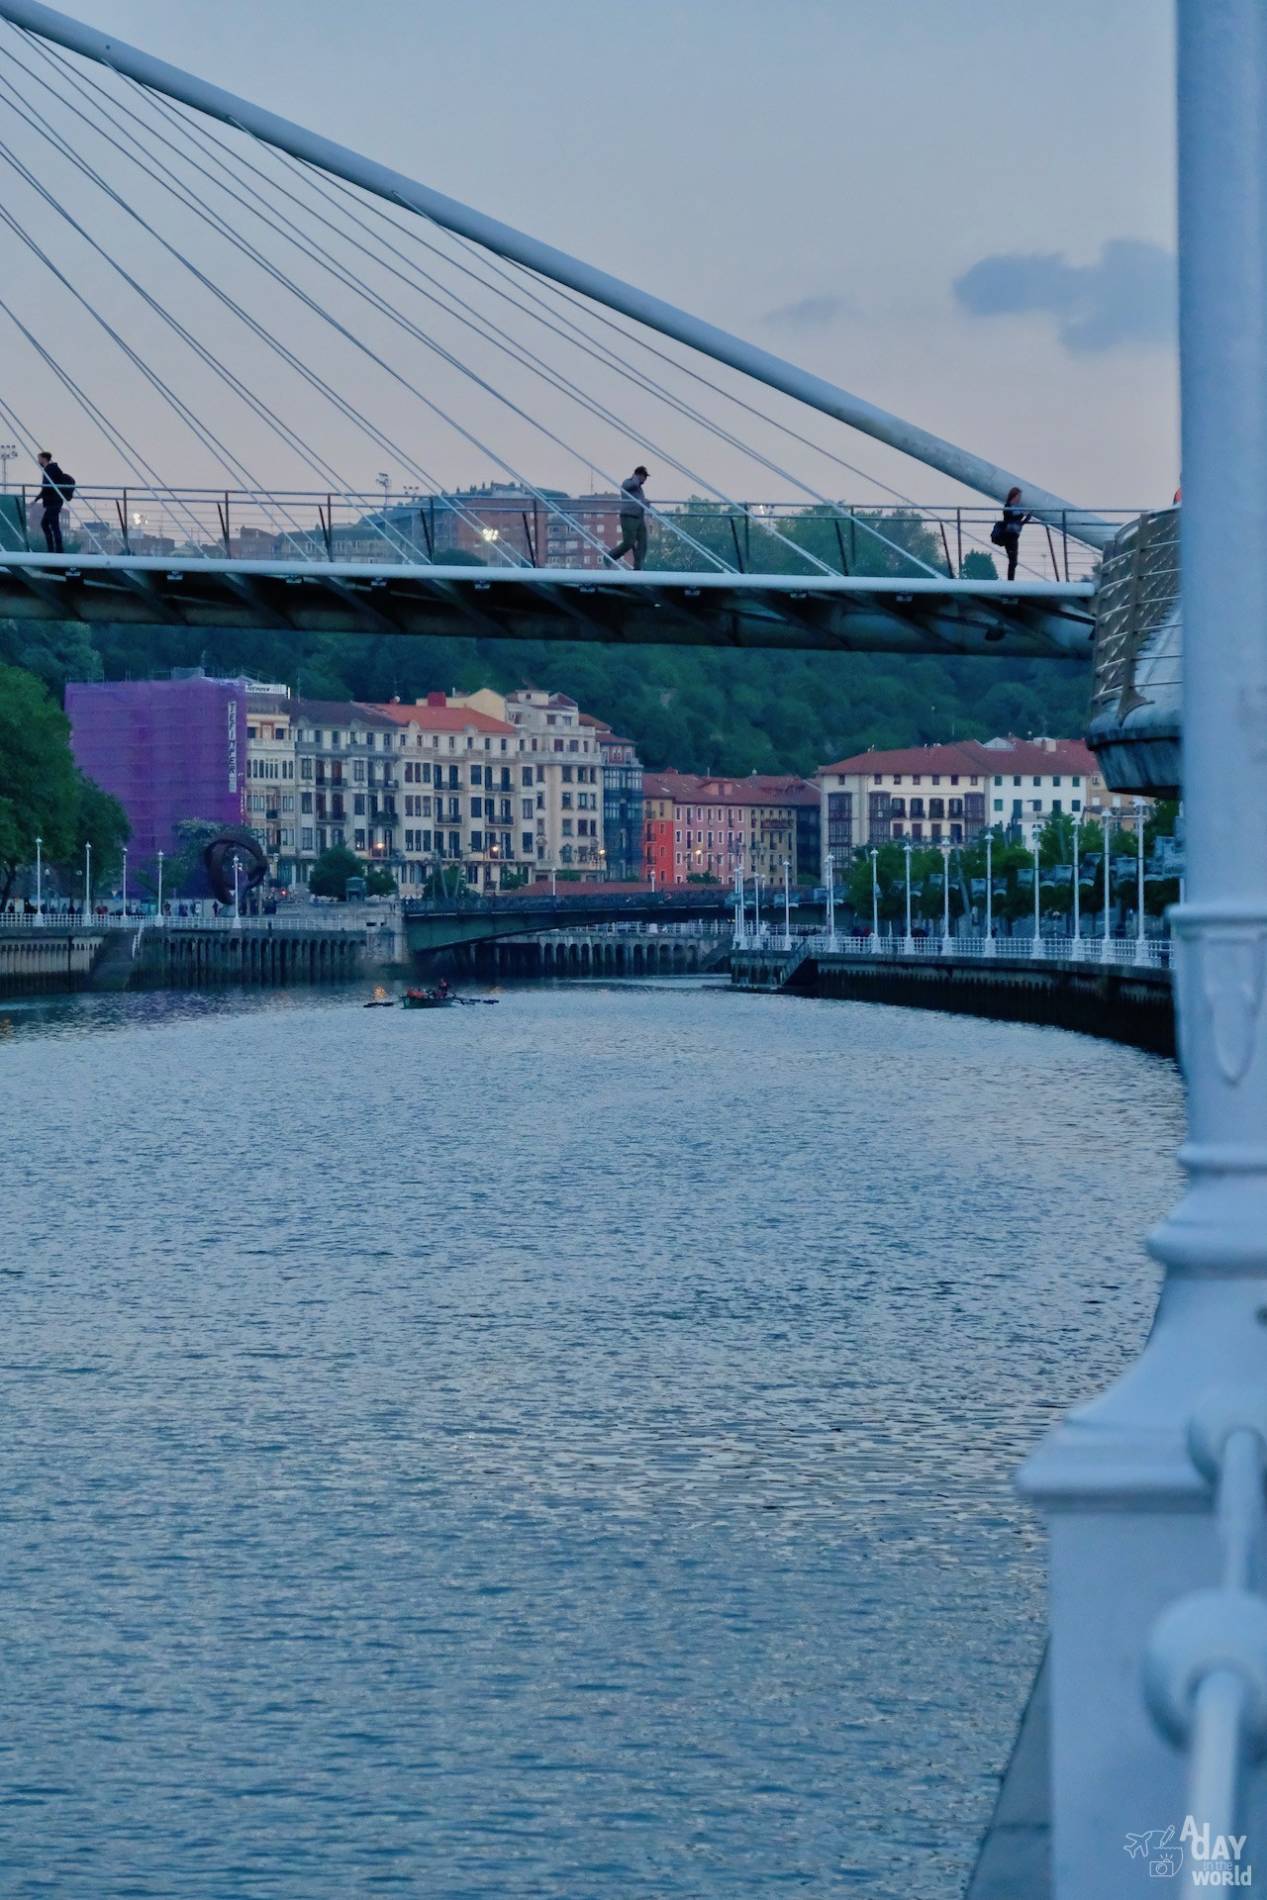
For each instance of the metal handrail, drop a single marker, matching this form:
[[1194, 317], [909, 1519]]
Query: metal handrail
[[1205, 1670], [1129, 952], [416, 528]]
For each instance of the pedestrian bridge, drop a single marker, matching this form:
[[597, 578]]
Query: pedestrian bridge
[[828, 613]]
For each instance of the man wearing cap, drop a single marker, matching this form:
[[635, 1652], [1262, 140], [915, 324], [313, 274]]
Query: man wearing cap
[[633, 519]]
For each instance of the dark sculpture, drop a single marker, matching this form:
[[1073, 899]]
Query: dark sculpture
[[252, 865]]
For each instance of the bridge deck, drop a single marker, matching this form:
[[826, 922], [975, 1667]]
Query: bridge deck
[[1031, 619]]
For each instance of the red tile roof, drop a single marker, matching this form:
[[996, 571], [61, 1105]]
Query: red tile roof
[[686, 788], [336, 712], [1028, 756], [444, 718]]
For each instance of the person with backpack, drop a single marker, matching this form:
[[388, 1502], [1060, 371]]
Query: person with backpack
[[56, 489], [1006, 534]]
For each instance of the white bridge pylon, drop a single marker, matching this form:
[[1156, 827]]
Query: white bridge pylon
[[302, 220]]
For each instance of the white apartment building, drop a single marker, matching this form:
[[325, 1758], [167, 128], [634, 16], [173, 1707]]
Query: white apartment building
[[950, 793], [467, 795], [567, 764], [272, 793]]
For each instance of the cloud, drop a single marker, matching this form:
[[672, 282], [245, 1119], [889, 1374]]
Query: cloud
[[809, 313], [1127, 297]]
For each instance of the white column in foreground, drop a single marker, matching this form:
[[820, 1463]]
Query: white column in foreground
[[1130, 1513]]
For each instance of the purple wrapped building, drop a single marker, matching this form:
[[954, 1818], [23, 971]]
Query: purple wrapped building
[[169, 750]]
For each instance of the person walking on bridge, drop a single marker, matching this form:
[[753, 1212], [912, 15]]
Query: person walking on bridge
[[56, 489], [633, 519], [1006, 533]]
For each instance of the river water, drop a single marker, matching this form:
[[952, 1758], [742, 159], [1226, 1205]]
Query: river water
[[553, 1450]]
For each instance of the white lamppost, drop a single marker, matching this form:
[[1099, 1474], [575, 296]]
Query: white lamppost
[[125, 885], [1153, 1491], [741, 907], [787, 904], [160, 887], [1077, 890], [875, 901], [1038, 950], [1141, 948], [39, 880], [831, 901], [909, 944], [756, 904], [87, 881], [237, 914], [1104, 940], [989, 894], [946, 945], [554, 881]]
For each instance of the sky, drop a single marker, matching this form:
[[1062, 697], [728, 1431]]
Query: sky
[[962, 210]]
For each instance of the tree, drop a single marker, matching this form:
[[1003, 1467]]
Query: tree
[[379, 881], [100, 821], [42, 795], [978, 566], [329, 875]]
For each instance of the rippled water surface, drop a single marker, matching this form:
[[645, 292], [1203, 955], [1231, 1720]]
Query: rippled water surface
[[556, 1450]]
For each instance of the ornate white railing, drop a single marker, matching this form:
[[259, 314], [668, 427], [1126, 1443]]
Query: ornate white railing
[[1147, 952], [1205, 1666]]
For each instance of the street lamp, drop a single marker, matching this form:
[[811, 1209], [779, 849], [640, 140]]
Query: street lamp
[[909, 945], [831, 901], [1104, 941], [989, 894], [8, 453], [946, 945], [87, 881], [237, 914], [1077, 890], [1038, 950], [125, 886], [787, 905], [875, 902], [39, 880], [740, 908], [160, 887], [1141, 948], [756, 904]]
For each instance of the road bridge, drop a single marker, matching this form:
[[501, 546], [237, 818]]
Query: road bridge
[[450, 924]]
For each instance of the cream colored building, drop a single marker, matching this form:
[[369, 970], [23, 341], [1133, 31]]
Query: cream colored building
[[468, 796], [566, 761], [272, 798]]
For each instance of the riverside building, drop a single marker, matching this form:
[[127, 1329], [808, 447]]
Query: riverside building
[[169, 750], [951, 793], [561, 767], [705, 827]]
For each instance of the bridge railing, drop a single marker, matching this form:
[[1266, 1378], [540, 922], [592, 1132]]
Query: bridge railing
[[1152, 953], [519, 530]]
